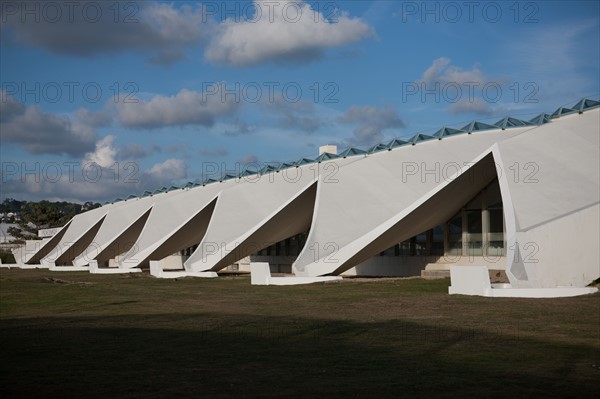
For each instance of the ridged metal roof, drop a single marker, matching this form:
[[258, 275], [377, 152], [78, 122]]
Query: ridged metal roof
[[475, 126]]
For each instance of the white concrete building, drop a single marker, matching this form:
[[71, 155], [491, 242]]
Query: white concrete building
[[519, 196]]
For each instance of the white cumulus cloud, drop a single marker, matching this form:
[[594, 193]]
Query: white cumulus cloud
[[283, 30], [371, 121], [105, 153], [171, 169], [477, 106], [185, 108], [441, 71], [85, 29], [465, 89], [41, 132]]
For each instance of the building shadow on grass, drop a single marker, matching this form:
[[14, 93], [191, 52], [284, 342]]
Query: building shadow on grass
[[217, 356]]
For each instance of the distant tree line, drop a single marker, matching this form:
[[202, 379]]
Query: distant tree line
[[32, 216]]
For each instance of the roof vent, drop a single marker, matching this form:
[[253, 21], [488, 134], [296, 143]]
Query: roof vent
[[332, 149]]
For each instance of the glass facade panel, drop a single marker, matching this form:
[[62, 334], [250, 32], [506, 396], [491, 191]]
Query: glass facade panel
[[496, 234], [437, 241], [474, 240], [391, 251], [455, 236], [294, 248], [475, 230], [291, 246], [405, 248], [421, 244]]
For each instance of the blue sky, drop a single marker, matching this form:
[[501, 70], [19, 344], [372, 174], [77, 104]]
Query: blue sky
[[105, 99]]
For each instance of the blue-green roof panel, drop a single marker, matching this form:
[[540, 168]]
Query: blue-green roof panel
[[474, 126], [417, 138], [509, 121], [396, 143], [562, 111], [377, 148], [447, 131], [303, 161], [477, 126], [348, 152], [326, 156], [540, 119], [208, 181]]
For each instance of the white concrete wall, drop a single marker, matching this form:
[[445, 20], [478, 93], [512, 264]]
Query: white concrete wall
[[549, 180], [169, 214], [117, 221], [23, 253], [248, 207], [368, 193], [173, 262], [565, 251], [75, 230]]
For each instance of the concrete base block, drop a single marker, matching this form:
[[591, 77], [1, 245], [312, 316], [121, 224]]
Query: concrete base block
[[26, 266], [156, 269], [81, 262], [14, 266], [469, 280], [260, 274], [475, 280], [68, 268], [558, 292], [435, 274], [94, 269]]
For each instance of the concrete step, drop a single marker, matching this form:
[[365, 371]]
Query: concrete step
[[496, 276], [435, 274]]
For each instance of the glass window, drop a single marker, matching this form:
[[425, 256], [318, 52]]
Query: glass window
[[496, 236], [405, 248], [474, 233], [390, 251], [294, 250], [280, 248], [421, 244], [437, 241], [455, 236]]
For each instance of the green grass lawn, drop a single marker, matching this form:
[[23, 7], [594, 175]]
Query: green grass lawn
[[77, 335]]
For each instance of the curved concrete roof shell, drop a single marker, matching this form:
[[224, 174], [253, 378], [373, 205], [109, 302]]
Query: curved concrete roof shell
[[358, 204]]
